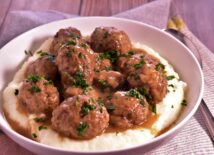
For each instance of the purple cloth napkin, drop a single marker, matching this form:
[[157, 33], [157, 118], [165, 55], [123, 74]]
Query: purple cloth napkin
[[193, 139]]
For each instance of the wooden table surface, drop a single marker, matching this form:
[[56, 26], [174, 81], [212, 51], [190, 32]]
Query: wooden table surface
[[198, 14]]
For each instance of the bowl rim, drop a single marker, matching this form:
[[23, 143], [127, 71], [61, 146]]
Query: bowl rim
[[158, 138]]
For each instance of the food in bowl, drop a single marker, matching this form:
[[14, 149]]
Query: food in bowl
[[93, 93]]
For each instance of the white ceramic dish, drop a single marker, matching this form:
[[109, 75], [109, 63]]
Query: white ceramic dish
[[183, 61]]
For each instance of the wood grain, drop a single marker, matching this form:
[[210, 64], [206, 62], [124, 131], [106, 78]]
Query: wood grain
[[107, 7]]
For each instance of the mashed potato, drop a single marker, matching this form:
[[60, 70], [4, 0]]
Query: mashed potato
[[168, 111]]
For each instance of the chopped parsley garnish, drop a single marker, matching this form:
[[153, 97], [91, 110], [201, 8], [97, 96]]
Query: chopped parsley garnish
[[82, 128], [184, 103], [154, 109], [68, 54], [104, 83], [74, 35], [140, 64], [100, 102], [170, 77], [142, 102], [70, 42], [92, 100], [145, 93], [171, 85], [111, 55], [159, 66], [83, 45], [34, 135], [129, 54], [86, 109], [34, 78], [80, 55], [172, 106], [79, 80], [134, 93], [38, 120], [41, 53], [42, 127], [49, 82], [16, 92], [28, 52], [35, 89]]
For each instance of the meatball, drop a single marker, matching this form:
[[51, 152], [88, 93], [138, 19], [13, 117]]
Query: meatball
[[141, 71], [102, 64], [109, 79], [73, 91], [110, 39], [43, 66], [127, 110], [80, 117], [38, 95], [62, 37], [76, 65]]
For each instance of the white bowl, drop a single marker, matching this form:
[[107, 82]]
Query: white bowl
[[12, 56]]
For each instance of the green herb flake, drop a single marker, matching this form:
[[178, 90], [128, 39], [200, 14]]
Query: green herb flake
[[34, 78], [140, 64], [83, 45], [154, 108], [72, 35], [100, 102], [130, 53], [134, 93], [171, 77], [39, 120], [49, 82], [34, 135], [184, 103], [145, 93], [42, 128], [172, 106], [16, 92], [111, 55], [80, 55], [70, 42], [28, 52], [41, 53], [79, 80], [82, 128], [35, 89], [103, 83], [68, 54], [159, 66], [171, 85], [86, 109]]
